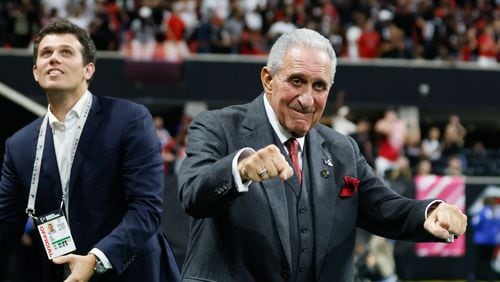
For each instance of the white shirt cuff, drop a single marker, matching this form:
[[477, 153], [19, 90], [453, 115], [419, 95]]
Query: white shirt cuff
[[427, 211], [241, 154], [104, 259]]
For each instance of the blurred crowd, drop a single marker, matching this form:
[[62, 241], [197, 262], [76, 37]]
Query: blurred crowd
[[445, 30], [397, 141]]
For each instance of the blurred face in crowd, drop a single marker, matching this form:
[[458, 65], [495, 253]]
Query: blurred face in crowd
[[434, 133], [424, 167], [299, 90], [59, 65]]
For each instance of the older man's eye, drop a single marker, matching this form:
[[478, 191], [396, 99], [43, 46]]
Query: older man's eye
[[296, 81], [319, 86]]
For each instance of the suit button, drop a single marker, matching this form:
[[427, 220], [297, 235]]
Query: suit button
[[302, 210], [304, 230], [285, 274], [305, 249]]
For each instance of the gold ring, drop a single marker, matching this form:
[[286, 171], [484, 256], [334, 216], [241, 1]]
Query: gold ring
[[262, 173]]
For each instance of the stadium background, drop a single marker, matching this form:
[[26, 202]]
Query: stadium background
[[435, 77]]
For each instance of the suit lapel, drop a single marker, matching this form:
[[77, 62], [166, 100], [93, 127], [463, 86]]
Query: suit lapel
[[322, 177], [258, 133], [91, 124]]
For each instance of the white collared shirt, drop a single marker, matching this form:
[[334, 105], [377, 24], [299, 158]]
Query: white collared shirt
[[64, 134]]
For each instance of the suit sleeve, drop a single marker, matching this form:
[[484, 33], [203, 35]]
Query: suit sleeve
[[206, 185], [383, 211], [12, 203], [141, 168]]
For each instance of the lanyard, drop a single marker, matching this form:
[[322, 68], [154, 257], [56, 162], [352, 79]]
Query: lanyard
[[35, 176]]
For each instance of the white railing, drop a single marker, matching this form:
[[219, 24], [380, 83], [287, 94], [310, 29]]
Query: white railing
[[22, 100]]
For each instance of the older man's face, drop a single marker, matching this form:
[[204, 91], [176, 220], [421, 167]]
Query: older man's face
[[299, 91]]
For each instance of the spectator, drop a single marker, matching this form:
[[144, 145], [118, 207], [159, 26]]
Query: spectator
[[394, 45], [487, 46], [24, 19], [161, 131], [486, 227], [454, 135], [233, 26], [353, 34], [103, 29], [432, 146], [200, 40], [454, 166], [400, 178], [469, 48], [363, 137], [59, 6], [341, 122], [283, 23], [381, 254], [186, 9], [392, 133], [174, 152], [369, 41], [252, 40], [172, 44], [424, 167], [412, 143], [454, 139], [220, 39], [215, 8]]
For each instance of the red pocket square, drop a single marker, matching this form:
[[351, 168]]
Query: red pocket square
[[350, 186]]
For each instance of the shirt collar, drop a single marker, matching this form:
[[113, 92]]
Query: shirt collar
[[76, 111], [282, 133]]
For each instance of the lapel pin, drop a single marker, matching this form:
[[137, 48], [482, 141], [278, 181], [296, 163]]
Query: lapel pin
[[325, 173], [328, 162]]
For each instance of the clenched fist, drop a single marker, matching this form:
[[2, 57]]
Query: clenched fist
[[266, 163], [446, 221]]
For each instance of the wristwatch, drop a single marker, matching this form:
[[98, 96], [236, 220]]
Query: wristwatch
[[99, 267]]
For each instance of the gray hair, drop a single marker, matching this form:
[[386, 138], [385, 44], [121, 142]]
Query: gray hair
[[299, 37]]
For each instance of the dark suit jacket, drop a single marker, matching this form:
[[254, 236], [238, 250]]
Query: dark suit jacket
[[245, 237], [115, 192]]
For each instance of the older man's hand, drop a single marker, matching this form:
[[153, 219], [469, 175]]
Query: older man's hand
[[446, 221], [266, 163]]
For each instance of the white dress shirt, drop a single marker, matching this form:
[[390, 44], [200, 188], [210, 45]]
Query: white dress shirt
[[64, 134]]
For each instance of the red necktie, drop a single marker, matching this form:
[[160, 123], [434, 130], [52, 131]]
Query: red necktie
[[292, 146]]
